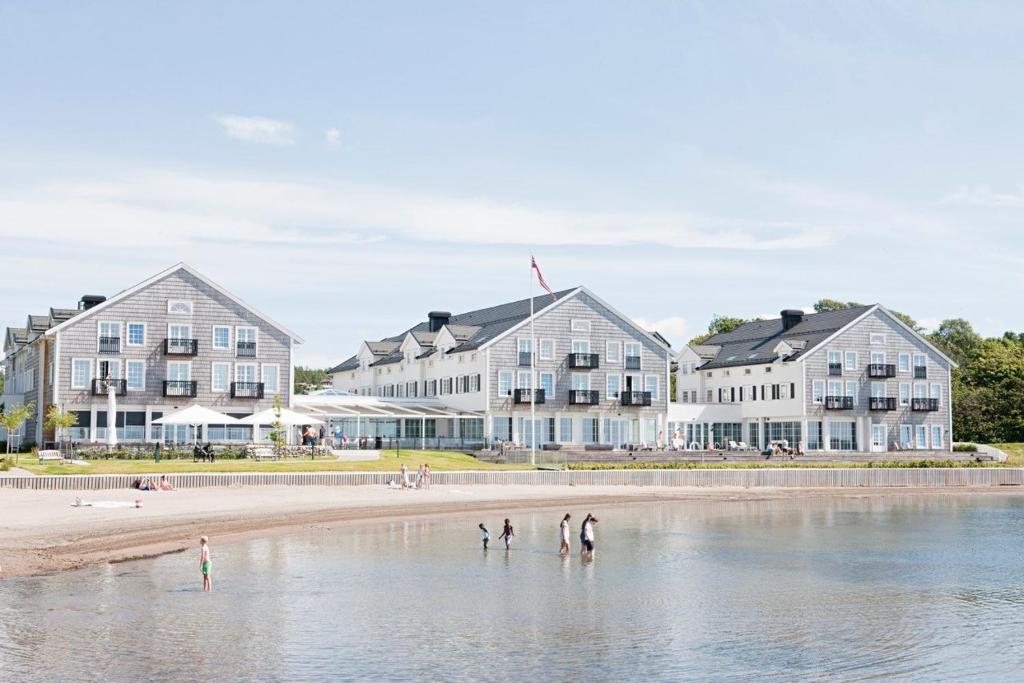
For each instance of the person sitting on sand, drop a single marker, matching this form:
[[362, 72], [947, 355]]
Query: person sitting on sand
[[147, 485], [165, 485]]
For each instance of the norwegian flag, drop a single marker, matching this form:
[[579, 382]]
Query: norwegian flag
[[540, 277]]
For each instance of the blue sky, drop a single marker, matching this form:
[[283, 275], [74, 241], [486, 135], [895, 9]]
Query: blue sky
[[347, 167]]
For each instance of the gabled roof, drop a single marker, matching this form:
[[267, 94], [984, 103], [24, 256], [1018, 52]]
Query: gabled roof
[[38, 323], [160, 276], [347, 364], [59, 315], [382, 348]]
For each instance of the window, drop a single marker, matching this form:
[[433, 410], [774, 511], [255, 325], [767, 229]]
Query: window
[[178, 370], [136, 334], [565, 430], [632, 350], [920, 390], [475, 384], [501, 428], [685, 398], [851, 361], [504, 383], [222, 337], [111, 368], [876, 338], [81, 373], [108, 337], [843, 436], [920, 360], [580, 381], [523, 380], [813, 436], [613, 352], [817, 391], [921, 431], [651, 385], [580, 346], [878, 357], [904, 362], [591, 430], [878, 390], [219, 377], [835, 388], [580, 326], [179, 307], [271, 383], [178, 331], [906, 435], [904, 394], [851, 391], [547, 349], [135, 373], [245, 372], [245, 342], [835, 358], [935, 391], [937, 436], [547, 383], [613, 385]]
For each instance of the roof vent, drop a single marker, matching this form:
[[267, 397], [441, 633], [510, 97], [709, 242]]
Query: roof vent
[[791, 317], [89, 300], [438, 319]]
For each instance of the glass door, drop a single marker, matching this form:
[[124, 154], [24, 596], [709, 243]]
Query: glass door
[[878, 435]]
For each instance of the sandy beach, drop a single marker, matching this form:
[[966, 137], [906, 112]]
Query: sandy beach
[[42, 532]]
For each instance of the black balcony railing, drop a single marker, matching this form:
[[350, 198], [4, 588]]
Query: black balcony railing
[[881, 370], [110, 345], [583, 361], [839, 403], [583, 397], [100, 387], [522, 396], [525, 359], [632, 362], [924, 404], [882, 403], [245, 349], [835, 368], [247, 390], [635, 398], [180, 388], [920, 372], [181, 347]]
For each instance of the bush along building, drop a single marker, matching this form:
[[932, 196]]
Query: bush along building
[[172, 340], [600, 378], [850, 380]]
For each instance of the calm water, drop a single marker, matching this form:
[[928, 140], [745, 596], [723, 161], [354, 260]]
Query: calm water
[[925, 588]]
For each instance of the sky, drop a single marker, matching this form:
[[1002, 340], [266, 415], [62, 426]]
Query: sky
[[346, 167]]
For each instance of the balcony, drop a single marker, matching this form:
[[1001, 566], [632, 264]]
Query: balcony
[[920, 372], [881, 370], [882, 403], [635, 398], [583, 397], [835, 369], [100, 386], [924, 405], [110, 345], [180, 388], [247, 390], [583, 361], [181, 347], [839, 403], [632, 362], [525, 359], [245, 349], [522, 396]]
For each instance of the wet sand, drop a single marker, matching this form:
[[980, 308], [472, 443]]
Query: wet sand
[[41, 532]]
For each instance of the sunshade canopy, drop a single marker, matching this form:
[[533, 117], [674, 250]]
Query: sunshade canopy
[[195, 415], [289, 418]]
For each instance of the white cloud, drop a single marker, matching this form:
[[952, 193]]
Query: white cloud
[[982, 195], [333, 136], [672, 328], [257, 129]]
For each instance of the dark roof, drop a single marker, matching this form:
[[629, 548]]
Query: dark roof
[[38, 323], [19, 334], [59, 315], [472, 328], [753, 343]]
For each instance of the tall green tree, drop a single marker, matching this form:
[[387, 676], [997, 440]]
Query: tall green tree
[[59, 420], [12, 419], [957, 339]]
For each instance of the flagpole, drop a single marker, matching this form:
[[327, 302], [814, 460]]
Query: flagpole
[[533, 379]]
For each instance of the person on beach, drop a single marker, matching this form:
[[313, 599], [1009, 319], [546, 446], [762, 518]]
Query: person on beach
[[426, 475], [587, 536], [406, 484], [507, 533], [485, 535], [564, 532], [164, 484], [419, 478], [204, 562]]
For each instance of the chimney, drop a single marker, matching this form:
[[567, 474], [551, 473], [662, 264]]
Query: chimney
[[438, 319], [89, 300], [791, 317]]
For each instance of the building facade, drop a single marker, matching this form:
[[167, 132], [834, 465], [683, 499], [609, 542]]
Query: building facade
[[599, 378], [170, 341], [851, 380]]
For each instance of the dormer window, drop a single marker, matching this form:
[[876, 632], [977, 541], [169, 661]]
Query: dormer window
[[179, 307]]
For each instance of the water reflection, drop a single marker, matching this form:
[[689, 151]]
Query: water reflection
[[899, 587]]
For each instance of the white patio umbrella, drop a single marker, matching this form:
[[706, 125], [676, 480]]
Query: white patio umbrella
[[195, 415], [289, 418]]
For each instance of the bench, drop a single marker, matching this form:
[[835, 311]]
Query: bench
[[262, 453], [50, 455]]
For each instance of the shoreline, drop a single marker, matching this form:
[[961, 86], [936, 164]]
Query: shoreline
[[42, 533]]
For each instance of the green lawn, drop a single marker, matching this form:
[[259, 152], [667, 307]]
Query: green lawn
[[1014, 453], [439, 461]]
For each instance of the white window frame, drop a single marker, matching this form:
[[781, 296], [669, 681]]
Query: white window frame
[[920, 442], [640, 355], [875, 355], [263, 376], [876, 339], [937, 429], [579, 326], [524, 379], [89, 375], [227, 377], [906, 386], [255, 339], [255, 371], [173, 303], [935, 391], [817, 391], [580, 375], [213, 338], [99, 330], [607, 386], [112, 361], [908, 430], [540, 383], [585, 343], [511, 382], [847, 365], [657, 386], [852, 387], [128, 336], [522, 342], [613, 358], [923, 356], [835, 387], [835, 356], [130, 361], [541, 344], [188, 367], [904, 356], [879, 389]]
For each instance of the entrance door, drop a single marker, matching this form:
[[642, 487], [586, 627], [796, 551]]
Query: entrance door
[[878, 434]]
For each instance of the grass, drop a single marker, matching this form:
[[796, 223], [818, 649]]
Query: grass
[[439, 461], [1014, 453]]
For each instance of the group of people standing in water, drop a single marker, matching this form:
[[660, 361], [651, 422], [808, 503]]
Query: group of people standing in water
[[586, 535]]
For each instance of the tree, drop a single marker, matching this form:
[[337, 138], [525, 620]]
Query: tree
[[309, 377], [957, 339], [720, 324], [12, 419], [823, 305], [58, 420], [277, 435]]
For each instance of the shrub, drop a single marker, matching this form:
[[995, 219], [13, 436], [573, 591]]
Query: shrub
[[965, 448]]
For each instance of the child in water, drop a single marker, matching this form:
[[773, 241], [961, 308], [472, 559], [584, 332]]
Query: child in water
[[485, 535], [204, 562], [507, 533]]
